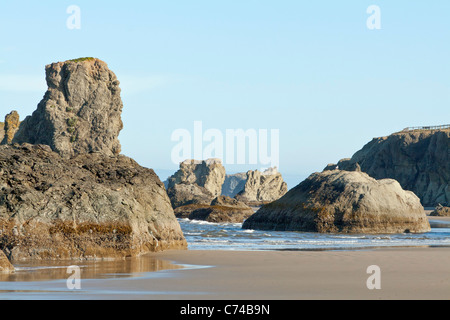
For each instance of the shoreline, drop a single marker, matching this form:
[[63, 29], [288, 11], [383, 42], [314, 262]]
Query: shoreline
[[407, 272]]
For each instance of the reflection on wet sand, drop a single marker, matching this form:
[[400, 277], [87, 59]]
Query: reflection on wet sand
[[54, 270]]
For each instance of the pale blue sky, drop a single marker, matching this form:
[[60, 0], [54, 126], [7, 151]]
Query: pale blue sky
[[311, 69]]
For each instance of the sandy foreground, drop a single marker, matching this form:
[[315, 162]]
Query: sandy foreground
[[405, 273]]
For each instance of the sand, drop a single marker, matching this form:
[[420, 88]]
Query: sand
[[405, 273]]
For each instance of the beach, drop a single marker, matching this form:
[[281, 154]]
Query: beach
[[406, 272]]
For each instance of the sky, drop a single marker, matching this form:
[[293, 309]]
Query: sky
[[313, 70]]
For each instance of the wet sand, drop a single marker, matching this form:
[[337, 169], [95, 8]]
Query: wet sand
[[406, 273]]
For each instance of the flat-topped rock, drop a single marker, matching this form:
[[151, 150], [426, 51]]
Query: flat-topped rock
[[88, 207], [221, 209]]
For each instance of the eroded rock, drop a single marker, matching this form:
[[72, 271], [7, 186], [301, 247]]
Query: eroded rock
[[340, 201], [262, 187], [88, 207], [196, 182], [80, 112]]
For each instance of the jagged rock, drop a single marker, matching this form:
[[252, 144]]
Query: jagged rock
[[233, 184], [441, 211], [80, 112], [262, 187], [5, 265], [89, 206], [221, 209], [330, 166], [2, 131], [419, 160], [343, 201], [196, 182], [10, 128]]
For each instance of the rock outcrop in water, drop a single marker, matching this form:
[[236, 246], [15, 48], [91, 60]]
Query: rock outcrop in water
[[418, 159], [441, 211], [80, 112], [196, 182], [262, 187], [221, 209], [343, 201], [65, 192], [89, 206]]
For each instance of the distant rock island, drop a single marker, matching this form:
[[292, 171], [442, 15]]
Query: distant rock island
[[197, 185], [440, 211], [65, 190], [339, 201], [418, 158]]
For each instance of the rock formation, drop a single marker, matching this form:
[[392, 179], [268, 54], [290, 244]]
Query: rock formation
[[5, 265], [10, 127], [233, 184], [89, 206], [80, 112], [441, 211], [65, 191], [221, 209], [419, 160], [343, 201], [183, 194], [196, 182], [262, 187]]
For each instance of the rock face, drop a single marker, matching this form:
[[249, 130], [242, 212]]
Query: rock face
[[89, 206], [233, 184], [441, 211], [221, 209], [419, 160], [10, 127], [65, 191], [80, 112], [5, 265], [183, 194], [343, 201], [196, 182], [262, 187]]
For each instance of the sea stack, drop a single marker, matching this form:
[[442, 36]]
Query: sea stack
[[80, 112], [262, 187], [196, 182], [65, 191], [338, 201]]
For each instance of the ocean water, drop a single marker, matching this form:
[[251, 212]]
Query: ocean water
[[202, 235]]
